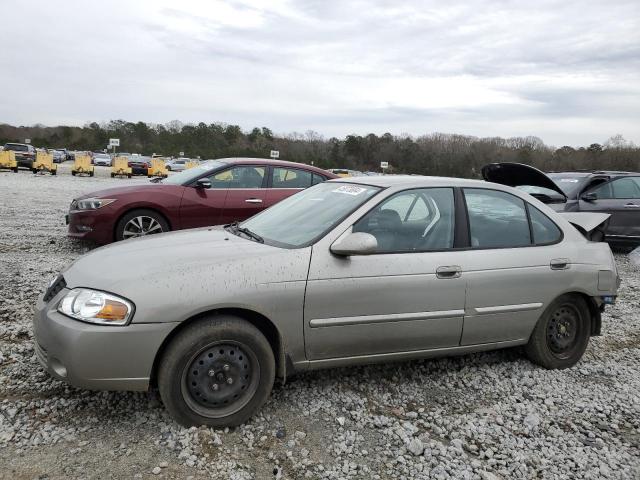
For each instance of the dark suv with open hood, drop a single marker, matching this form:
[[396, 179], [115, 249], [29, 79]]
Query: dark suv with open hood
[[612, 192]]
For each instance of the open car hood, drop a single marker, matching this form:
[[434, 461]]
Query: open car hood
[[519, 174]]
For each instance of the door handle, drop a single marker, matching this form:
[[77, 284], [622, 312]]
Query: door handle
[[631, 205], [450, 271], [559, 264], [253, 200]]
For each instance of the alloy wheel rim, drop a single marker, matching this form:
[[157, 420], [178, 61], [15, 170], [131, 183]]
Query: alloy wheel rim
[[141, 226], [220, 379]]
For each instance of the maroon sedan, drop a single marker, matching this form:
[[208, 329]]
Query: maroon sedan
[[216, 192]]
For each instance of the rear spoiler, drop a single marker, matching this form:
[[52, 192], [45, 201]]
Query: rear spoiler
[[591, 225]]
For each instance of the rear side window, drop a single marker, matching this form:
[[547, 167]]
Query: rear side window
[[496, 219], [291, 178], [543, 229]]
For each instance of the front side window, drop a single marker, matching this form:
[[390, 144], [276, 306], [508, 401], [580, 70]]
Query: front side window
[[627, 187], [239, 177], [416, 220], [301, 219], [291, 178], [496, 219], [318, 179]]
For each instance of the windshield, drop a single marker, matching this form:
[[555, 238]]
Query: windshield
[[302, 218], [191, 174], [567, 183], [16, 147]]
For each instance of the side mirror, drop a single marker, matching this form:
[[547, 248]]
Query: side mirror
[[358, 243], [203, 183], [589, 197]]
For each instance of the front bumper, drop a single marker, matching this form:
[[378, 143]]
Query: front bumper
[[92, 356], [95, 225]]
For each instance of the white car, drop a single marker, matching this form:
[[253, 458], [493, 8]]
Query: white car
[[102, 159], [177, 164]]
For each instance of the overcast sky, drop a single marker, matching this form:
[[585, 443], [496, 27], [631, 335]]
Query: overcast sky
[[566, 71]]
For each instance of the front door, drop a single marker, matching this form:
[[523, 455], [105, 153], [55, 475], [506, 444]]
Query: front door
[[246, 187], [201, 207], [621, 199], [408, 296]]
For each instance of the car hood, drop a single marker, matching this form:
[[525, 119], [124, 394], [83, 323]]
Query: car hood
[[111, 192], [519, 174], [182, 267]]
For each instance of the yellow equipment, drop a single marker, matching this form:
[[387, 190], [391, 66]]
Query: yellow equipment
[[157, 168], [82, 164], [8, 160], [44, 163], [120, 167], [190, 164]]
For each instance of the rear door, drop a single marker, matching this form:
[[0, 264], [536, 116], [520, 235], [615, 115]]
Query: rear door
[[285, 182], [513, 270], [620, 198]]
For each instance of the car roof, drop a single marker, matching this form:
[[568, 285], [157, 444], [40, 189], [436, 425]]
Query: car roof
[[272, 162], [413, 181]]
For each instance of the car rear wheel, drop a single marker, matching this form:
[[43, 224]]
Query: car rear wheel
[[562, 333], [139, 223], [218, 372]]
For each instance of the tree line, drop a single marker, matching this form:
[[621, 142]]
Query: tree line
[[430, 154]]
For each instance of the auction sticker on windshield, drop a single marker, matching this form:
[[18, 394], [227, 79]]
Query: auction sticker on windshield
[[349, 190]]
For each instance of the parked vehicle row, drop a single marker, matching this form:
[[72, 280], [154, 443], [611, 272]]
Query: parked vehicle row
[[602, 191], [348, 271]]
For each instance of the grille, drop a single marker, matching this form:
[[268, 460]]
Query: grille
[[55, 288]]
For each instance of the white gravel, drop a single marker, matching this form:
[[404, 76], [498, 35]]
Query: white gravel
[[485, 416]]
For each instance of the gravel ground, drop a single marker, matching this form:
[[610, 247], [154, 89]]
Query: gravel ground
[[489, 416]]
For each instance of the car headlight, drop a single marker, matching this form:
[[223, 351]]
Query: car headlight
[[91, 203], [96, 307]]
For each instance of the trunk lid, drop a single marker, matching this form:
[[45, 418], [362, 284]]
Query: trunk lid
[[521, 175]]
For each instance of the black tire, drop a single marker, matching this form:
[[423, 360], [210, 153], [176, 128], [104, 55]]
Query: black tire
[[113, 175], [54, 172], [129, 175], [15, 169], [147, 214], [179, 380], [91, 174], [169, 169], [562, 333], [34, 170]]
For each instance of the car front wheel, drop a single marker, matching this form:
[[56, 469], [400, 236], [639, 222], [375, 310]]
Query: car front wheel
[[139, 223], [218, 372], [562, 333]]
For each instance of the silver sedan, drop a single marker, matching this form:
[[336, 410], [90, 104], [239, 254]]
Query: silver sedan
[[373, 269]]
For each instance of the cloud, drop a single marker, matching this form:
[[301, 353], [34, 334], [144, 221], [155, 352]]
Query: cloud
[[568, 72]]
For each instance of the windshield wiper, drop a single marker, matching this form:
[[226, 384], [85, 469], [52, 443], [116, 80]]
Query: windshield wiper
[[235, 227]]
